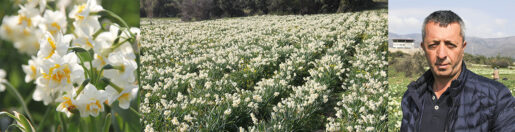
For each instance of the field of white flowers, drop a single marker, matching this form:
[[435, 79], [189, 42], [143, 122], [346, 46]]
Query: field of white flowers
[[266, 73]]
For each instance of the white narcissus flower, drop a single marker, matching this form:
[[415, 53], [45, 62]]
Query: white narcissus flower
[[84, 31], [85, 24], [104, 41], [34, 3], [57, 76], [53, 22], [107, 39], [91, 101], [22, 30], [51, 45], [32, 70], [122, 57], [125, 68], [10, 29], [2, 80], [128, 92], [29, 17], [67, 104], [81, 12]]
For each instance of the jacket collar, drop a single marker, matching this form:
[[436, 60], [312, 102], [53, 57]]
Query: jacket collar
[[417, 88]]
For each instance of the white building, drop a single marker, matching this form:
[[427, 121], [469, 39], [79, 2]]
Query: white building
[[403, 43]]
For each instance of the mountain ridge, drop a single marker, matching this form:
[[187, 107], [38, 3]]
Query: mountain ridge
[[489, 47]]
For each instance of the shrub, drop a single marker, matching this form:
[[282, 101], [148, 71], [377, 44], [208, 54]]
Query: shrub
[[501, 62], [410, 65], [196, 9]]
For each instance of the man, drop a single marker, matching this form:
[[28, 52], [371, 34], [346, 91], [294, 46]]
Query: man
[[449, 97]]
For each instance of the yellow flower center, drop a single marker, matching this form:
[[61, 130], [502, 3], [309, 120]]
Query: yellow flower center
[[58, 76], [102, 61], [52, 44], [81, 9], [89, 107], [67, 104], [24, 20], [26, 32], [8, 29], [33, 69], [88, 43], [56, 26], [124, 96]]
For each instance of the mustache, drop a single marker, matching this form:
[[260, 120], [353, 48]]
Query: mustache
[[441, 62]]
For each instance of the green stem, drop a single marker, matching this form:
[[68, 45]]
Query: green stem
[[93, 123], [117, 18], [98, 33], [138, 74], [135, 112], [81, 88], [45, 116], [107, 122], [63, 123], [112, 48], [116, 87], [83, 124], [20, 99]]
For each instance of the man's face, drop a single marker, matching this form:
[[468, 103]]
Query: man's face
[[443, 47]]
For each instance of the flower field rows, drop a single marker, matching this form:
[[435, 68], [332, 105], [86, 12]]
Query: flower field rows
[[266, 73]]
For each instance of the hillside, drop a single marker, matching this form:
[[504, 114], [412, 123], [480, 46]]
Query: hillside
[[476, 46]]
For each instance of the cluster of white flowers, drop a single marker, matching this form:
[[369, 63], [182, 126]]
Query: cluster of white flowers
[[82, 66], [363, 108], [259, 73], [395, 90]]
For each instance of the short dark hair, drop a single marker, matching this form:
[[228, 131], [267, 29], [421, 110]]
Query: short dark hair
[[444, 18]]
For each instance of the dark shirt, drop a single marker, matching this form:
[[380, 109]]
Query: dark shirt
[[435, 112], [479, 104]]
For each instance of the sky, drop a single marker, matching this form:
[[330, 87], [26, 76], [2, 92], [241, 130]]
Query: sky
[[483, 18]]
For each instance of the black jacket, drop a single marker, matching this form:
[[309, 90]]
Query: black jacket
[[478, 104]]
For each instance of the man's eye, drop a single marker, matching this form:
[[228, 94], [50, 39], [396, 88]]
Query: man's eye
[[451, 45], [432, 45]]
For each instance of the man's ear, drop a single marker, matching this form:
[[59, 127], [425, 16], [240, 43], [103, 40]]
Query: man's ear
[[464, 44], [422, 45]]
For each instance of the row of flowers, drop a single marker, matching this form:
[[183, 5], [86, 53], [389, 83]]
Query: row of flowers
[[265, 73]]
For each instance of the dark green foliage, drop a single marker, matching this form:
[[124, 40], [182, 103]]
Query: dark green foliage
[[410, 65], [191, 10], [500, 62], [497, 61], [354, 5]]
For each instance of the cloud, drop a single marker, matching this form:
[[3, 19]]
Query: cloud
[[478, 23], [500, 22], [405, 21]]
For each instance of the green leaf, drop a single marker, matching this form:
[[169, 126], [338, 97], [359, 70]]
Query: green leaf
[[10, 88], [83, 54], [107, 122], [23, 123], [113, 17], [62, 122]]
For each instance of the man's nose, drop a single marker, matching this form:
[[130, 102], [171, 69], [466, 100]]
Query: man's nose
[[441, 52]]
